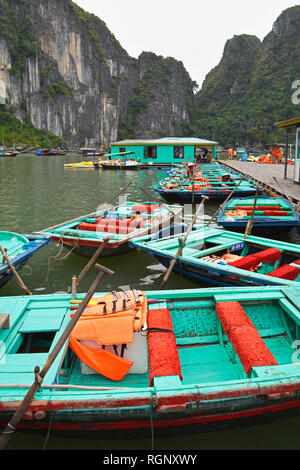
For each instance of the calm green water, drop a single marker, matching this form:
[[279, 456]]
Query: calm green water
[[37, 192]]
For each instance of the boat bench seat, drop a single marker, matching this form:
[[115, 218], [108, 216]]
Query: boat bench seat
[[111, 226], [145, 208], [287, 271], [250, 261], [243, 336], [162, 350]]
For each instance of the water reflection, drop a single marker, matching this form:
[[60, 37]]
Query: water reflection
[[38, 192]]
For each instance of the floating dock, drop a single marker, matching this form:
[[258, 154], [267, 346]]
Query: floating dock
[[265, 173]]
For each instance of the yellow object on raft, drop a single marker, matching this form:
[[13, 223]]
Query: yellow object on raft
[[80, 165]]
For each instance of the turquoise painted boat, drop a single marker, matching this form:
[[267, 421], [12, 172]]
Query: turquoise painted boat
[[272, 214], [19, 248], [203, 362], [213, 256], [216, 182], [118, 225]]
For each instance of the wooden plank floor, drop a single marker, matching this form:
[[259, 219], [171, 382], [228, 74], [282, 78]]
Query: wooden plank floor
[[264, 173]]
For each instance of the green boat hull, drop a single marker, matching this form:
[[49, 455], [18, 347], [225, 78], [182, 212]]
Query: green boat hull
[[215, 391]]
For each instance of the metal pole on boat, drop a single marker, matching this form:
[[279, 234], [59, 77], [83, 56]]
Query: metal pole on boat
[[18, 278], [182, 243], [250, 221], [222, 205], [39, 376]]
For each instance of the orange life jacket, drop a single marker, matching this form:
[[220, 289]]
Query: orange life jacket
[[109, 320], [277, 153]]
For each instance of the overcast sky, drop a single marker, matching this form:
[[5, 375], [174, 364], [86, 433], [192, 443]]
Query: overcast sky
[[192, 31]]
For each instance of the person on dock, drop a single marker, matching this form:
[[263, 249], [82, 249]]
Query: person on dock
[[190, 170], [229, 153], [276, 154]]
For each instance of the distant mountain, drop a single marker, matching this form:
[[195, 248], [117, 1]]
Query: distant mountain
[[250, 89]]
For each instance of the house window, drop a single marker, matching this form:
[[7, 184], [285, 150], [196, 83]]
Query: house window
[[178, 151], [150, 151], [122, 149]]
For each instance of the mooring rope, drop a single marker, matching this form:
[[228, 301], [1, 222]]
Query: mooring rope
[[56, 257]]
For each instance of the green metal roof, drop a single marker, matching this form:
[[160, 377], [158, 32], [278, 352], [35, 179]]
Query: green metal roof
[[166, 141]]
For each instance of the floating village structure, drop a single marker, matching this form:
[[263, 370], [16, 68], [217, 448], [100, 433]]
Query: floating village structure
[[169, 150]]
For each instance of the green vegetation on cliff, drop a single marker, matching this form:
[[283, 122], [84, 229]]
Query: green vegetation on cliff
[[250, 89], [13, 132], [163, 80], [19, 31]]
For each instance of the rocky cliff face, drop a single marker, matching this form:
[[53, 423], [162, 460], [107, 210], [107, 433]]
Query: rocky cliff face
[[64, 69], [163, 99], [250, 89]]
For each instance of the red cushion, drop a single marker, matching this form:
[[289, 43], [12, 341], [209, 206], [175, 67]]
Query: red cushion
[[162, 349], [286, 272], [271, 254], [112, 226], [276, 213], [243, 336], [87, 226], [258, 208], [250, 348], [296, 262], [245, 263], [231, 315]]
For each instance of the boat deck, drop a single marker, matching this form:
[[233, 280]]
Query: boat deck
[[205, 354]]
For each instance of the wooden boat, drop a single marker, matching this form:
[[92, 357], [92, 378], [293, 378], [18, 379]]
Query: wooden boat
[[217, 191], [202, 362], [120, 224], [19, 248], [132, 165], [11, 154], [215, 182], [50, 152], [82, 164], [271, 214], [7, 153], [219, 257]]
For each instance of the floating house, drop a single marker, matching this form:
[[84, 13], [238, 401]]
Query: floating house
[[166, 150]]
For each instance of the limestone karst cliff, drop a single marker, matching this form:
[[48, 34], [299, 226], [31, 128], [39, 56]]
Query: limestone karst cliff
[[64, 70], [251, 88]]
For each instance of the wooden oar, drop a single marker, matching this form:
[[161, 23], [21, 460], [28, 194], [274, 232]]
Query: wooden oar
[[222, 205], [18, 278], [250, 221], [181, 244], [39, 376], [91, 261], [86, 215], [161, 204], [193, 187], [119, 193]]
